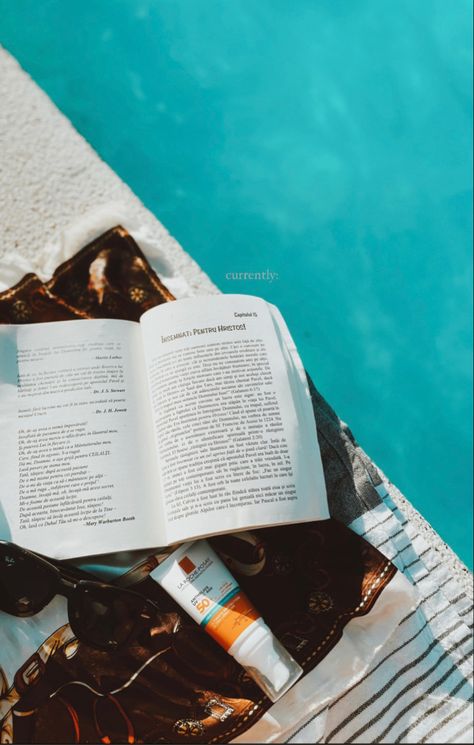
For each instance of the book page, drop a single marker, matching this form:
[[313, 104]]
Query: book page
[[234, 426], [76, 454]]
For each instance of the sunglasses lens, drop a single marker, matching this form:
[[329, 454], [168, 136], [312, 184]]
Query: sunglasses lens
[[104, 616], [25, 585]]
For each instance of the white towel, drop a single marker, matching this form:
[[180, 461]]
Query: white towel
[[418, 688], [397, 675]]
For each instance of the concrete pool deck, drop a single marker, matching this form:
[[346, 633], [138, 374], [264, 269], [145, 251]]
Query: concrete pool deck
[[50, 176]]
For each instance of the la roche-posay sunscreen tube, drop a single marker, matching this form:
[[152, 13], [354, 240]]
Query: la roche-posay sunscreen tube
[[203, 586]]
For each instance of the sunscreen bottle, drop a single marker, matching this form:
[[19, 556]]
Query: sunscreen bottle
[[200, 582]]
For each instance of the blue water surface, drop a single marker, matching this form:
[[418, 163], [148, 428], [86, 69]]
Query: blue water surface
[[327, 142]]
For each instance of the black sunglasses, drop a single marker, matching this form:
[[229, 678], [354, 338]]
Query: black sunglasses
[[100, 614]]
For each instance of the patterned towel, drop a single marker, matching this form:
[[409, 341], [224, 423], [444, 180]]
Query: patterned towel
[[347, 693]]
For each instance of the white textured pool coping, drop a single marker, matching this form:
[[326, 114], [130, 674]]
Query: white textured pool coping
[[50, 176]]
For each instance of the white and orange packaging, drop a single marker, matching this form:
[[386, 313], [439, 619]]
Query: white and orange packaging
[[203, 586]]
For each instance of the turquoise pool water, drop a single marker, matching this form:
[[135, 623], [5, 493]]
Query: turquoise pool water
[[326, 141]]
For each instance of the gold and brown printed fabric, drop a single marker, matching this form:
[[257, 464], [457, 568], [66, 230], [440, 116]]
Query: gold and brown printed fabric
[[109, 278], [173, 683]]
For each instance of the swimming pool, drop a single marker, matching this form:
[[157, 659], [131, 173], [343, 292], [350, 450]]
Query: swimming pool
[[325, 145]]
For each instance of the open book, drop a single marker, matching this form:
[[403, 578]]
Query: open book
[[118, 435]]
